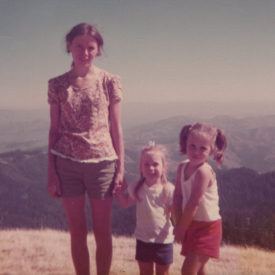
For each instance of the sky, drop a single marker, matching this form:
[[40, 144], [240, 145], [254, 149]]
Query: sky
[[164, 51]]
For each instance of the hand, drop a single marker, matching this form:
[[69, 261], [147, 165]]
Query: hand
[[179, 232], [119, 183], [54, 187]]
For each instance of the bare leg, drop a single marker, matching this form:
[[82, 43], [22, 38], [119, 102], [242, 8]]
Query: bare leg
[[194, 263], [162, 269], [75, 211], [202, 271], [146, 268], [101, 216]]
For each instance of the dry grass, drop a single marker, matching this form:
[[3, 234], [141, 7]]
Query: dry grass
[[29, 252]]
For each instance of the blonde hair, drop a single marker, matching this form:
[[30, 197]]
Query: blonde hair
[[217, 138], [151, 147]]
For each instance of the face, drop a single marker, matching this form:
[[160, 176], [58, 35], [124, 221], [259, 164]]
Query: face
[[84, 49], [198, 148], [152, 166]]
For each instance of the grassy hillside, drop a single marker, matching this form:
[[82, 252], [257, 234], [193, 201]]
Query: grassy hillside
[[246, 200], [47, 252]]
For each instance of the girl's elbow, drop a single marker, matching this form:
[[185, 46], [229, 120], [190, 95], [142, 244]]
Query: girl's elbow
[[192, 204]]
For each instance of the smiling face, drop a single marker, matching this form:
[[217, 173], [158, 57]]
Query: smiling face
[[198, 148], [84, 49], [152, 167]]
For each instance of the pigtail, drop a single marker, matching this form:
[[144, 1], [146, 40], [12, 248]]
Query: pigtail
[[216, 138], [183, 138], [220, 146]]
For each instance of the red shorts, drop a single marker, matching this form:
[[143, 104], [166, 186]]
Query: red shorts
[[203, 238]]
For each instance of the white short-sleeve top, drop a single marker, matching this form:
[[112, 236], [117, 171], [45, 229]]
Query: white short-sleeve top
[[153, 222]]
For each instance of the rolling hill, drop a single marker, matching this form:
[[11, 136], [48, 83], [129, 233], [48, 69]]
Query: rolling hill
[[246, 181], [246, 200]]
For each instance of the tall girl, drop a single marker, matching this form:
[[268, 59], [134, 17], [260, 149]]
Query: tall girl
[[196, 201], [86, 152], [153, 195]]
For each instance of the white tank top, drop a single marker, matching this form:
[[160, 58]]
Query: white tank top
[[208, 209]]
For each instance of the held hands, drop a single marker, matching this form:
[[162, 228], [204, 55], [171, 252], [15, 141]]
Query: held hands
[[179, 232], [119, 184], [53, 186]]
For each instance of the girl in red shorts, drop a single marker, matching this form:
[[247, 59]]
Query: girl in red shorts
[[196, 201]]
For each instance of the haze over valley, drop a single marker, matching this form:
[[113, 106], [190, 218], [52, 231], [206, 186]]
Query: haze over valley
[[250, 133]]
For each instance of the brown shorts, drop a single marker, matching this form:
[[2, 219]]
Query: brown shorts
[[76, 178], [203, 238]]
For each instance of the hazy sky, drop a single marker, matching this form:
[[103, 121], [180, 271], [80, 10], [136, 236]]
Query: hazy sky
[[176, 50]]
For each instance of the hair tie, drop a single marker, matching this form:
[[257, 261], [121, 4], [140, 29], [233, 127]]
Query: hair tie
[[152, 143]]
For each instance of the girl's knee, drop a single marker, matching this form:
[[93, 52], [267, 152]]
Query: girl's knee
[[79, 234], [103, 238], [194, 263], [79, 229], [162, 269]]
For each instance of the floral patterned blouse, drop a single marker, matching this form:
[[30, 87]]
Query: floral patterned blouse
[[84, 133]]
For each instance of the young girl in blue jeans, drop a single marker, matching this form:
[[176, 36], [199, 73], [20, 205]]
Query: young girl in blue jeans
[[196, 200], [153, 195]]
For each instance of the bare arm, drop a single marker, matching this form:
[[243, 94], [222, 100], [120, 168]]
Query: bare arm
[[117, 138], [177, 199], [53, 180], [201, 182], [124, 199]]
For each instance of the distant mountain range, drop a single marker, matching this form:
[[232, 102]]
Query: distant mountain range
[[138, 113], [23, 129], [251, 140]]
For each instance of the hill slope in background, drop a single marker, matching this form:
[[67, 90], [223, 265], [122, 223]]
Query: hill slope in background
[[137, 113], [21, 129], [251, 140], [247, 194], [246, 200]]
